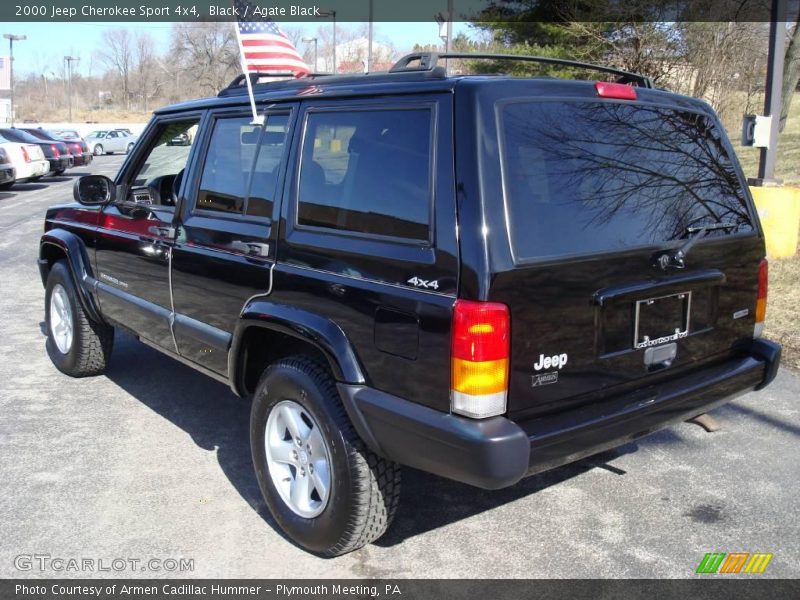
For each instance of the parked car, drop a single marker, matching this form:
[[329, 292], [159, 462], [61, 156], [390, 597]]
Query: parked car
[[74, 148], [65, 134], [55, 152], [8, 174], [479, 277], [108, 142], [181, 139], [27, 159], [81, 155]]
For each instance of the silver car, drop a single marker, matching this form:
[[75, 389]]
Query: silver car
[[110, 141]]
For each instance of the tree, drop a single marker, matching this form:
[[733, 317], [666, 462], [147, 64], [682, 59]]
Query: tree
[[791, 73], [208, 53], [118, 54]]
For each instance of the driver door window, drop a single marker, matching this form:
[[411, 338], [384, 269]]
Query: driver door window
[[158, 177]]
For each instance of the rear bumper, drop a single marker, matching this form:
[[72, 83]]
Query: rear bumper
[[82, 159], [60, 164], [7, 174], [497, 452]]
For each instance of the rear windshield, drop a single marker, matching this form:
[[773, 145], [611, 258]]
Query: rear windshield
[[582, 177]]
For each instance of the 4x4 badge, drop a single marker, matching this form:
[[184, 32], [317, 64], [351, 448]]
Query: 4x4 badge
[[433, 284], [544, 378]]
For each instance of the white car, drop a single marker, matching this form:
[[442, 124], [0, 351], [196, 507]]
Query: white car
[[28, 161], [109, 141]]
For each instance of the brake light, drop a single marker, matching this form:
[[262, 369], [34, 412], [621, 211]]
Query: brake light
[[55, 150], [77, 148], [25, 155], [480, 358], [615, 90], [761, 297]]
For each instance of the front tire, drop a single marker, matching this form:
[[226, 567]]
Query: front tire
[[302, 441], [77, 345]]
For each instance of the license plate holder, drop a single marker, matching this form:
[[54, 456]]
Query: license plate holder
[[662, 319]]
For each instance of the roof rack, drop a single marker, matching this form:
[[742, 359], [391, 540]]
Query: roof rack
[[275, 81], [428, 60]]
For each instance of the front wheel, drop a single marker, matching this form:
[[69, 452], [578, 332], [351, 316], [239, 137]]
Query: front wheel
[[98, 150], [77, 345], [327, 491]]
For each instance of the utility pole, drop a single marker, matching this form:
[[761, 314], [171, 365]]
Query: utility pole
[[369, 43], [11, 39], [70, 60], [331, 13], [449, 47], [312, 39], [772, 96]]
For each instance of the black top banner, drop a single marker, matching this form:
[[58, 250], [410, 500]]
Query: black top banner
[[399, 589], [519, 11]]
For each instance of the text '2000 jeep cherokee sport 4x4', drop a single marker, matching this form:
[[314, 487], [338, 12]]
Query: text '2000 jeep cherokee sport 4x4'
[[482, 277]]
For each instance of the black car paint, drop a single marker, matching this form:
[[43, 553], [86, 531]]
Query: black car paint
[[388, 343]]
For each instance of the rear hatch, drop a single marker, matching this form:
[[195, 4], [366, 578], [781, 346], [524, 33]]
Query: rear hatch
[[592, 201]]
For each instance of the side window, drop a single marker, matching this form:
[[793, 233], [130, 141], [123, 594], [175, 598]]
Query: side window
[[264, 182], [159, 176], [231, 151], [367, 171]]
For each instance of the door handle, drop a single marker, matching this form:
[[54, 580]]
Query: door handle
[[165, 232], [259, 249]]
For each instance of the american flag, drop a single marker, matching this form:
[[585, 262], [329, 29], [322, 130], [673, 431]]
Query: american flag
[[265, 48]]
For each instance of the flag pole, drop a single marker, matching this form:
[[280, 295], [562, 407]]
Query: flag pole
[[257, 119]]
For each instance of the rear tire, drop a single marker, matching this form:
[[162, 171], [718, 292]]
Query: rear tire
[[77, 345], [60, 171], [6, 186], [98, 150], [128, 149], [363, 489]]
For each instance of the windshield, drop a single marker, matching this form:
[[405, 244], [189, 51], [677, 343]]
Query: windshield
[[582, 177]]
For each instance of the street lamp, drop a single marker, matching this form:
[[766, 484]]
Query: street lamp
[[312, 39], [70, 60], [331, 13], [11, 39]]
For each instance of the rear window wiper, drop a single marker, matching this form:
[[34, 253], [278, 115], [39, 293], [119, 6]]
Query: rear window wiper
[[676, 258]]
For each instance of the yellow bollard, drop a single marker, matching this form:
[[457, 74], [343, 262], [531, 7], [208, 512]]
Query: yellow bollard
[[779, 212]]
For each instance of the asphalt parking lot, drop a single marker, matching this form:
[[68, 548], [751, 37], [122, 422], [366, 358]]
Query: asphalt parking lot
[[152, 461]]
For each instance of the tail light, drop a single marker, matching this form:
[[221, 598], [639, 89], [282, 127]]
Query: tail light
[[761, 298], [25, 155], [480, 357], [54, 148], [3, 157], [76, 148]]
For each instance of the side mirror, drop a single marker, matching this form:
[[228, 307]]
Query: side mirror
[[93, 190]]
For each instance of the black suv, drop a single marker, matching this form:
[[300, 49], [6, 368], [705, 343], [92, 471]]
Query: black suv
[[482, 277]]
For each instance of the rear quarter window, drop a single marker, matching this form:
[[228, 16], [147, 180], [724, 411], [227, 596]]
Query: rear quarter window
[[586, 177]]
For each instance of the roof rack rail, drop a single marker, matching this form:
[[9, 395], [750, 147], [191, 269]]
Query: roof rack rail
[[239, 81], [428, 60]]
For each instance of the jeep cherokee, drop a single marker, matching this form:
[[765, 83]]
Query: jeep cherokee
[[482, 277]]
